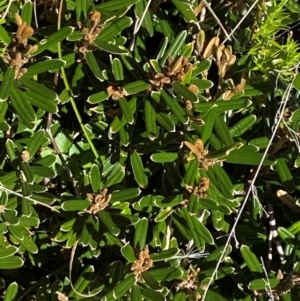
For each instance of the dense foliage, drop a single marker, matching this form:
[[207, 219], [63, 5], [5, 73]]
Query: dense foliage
[[149, 150]]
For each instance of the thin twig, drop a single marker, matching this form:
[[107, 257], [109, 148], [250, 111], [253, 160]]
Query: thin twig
[[137, 26], [241, 21], [26, 198], [217, 19]]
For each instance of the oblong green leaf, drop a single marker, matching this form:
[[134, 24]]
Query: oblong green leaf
[[185, 92], [76, 205], [128, 253], [53, 39], [136, 87], [138, 169], [263, 284], [114, 5], [115, 28], [165, 121], [8, 251], [175, 47], [110, 48], [150, 118], [11, 292], [108, 222], [186, 9], [117, 69], [7, 83], [209, 124], [49, 65], [9, 263], [96, 178], [94, 66], [23, 107], [174, 106], [243, 125], [164, 157], [126, 110], [140, 234], [285, 175], [251, 259], [121, 288]]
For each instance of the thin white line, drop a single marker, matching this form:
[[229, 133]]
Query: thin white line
[[240, 22]]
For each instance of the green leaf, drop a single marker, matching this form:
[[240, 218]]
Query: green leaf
[[164, 157], [8, 251], [128, 253], [117, 69], [45, 66], [110, 48], [116, 176], [296, 81], [223, 105], [147, 20], [251, 259], [263, 284], [40, 96], [125, 195], [82, 281], [248, 155], [285, 175], [38, 139], [174, 106], [4, 36], [164, 255], [10, 263], [7, 83], [243, 125], [121, 288], [81, 10], [94, 66], [136, 87], [141, 231], [23, 107], [11, 292], [114, 29], [174, 48], [165, 121], [186, 9], [150, 118], [185, 92], [200, 67], [126, 110], [108, 222], [76, 205], [27, 12], [53, 39], [136, 293], [138, 169], [152, 295], [3, 110], [98, 97], [96, 178], [209, 124], [114, 5]]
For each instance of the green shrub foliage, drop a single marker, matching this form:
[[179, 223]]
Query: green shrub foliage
[[145, 146]]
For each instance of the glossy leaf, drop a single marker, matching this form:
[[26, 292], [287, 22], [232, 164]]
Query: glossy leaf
[[251, 259], [11, 292], [138, 169], [53, 39], [7, 83], [23, 107], [10, 263]]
